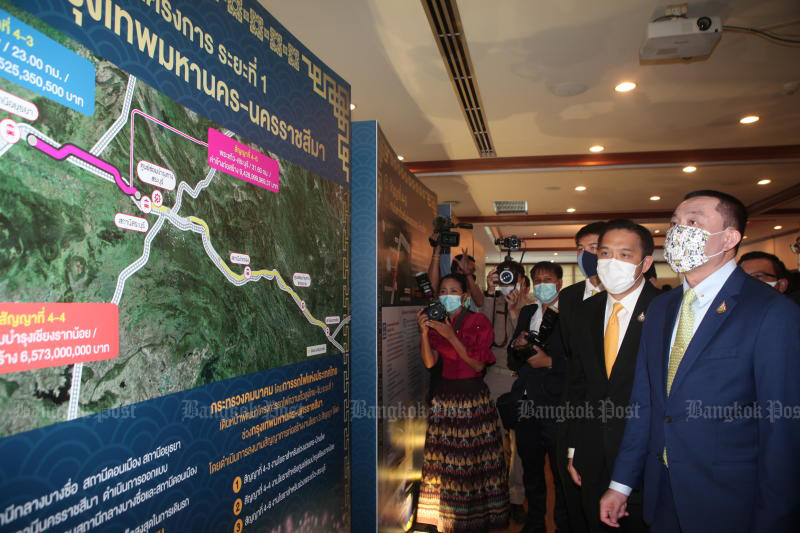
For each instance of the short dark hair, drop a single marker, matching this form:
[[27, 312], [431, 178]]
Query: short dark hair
[[595, 228], [456, 259], [461, 279], [777, 264], [733, 211], [645, 237], [547, 266]]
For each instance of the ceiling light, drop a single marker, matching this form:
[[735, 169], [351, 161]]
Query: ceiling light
[[571, 210], [400, 157], [749, 119], [689, 168], [534, 234], [555, 253], [596, 148], [777, 227], [625, 86], [655, 198], [657, 231], [352, 107], [765, 181], [580, 188], [743, 238]]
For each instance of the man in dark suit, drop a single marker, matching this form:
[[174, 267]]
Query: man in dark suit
[[715, 443], [604, 344], [540, 384], [767, 268], [586, 241]]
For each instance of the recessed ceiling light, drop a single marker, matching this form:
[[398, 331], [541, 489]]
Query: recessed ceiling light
[[749, 119], [352, 107], [689, 168], [765, 181], [596, 148], [400, 157], [777, 227], [580, 188], [571, 210], [655, 198], [534, 234], [555, 253], [657, 231], [625, 86], [743, 238]]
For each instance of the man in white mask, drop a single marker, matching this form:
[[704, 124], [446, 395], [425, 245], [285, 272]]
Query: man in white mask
[[604, 344], [767, 268], [716, 437]]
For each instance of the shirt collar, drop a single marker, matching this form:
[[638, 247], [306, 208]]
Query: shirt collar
[[629, 301], [708, 289], [591, 287]]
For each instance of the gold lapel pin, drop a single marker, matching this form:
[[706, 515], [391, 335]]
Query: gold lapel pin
[[722, 308], [640, 318]]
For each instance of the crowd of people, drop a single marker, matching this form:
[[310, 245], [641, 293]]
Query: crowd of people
[[654, 410]]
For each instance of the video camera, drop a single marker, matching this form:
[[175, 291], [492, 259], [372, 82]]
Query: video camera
[[434, 309], [521, 354], [505, 270], [447, 238]]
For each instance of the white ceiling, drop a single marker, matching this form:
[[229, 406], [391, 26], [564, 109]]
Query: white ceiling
[[520, 50]]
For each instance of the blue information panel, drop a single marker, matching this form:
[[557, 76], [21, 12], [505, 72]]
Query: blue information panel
[[174, 271]]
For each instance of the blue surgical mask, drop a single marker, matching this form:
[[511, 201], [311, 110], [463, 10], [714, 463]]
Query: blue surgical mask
[[451, 302], [545, 292], [587, 262]]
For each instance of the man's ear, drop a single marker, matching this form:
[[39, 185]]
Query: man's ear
[[731, 238], [782, 285], [647, 263]]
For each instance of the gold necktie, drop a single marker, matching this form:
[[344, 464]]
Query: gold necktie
[[594, 291], [611, 339], [682, 337]]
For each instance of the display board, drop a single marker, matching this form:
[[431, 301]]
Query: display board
[[174, 266], [393, 209]]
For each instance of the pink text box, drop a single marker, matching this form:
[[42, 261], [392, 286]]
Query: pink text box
[[232, 157], [41, 335]]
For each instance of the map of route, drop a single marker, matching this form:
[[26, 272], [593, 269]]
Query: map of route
[[187, 315]]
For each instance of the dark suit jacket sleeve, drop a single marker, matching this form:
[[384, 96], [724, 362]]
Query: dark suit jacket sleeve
[[575, 380], [777, 378], [525, 315], [629, 464]]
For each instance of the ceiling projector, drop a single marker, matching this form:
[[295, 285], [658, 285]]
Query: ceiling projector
[[680, 38]]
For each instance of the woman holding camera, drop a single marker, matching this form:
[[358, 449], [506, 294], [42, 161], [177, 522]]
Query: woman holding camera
[[464, 478]]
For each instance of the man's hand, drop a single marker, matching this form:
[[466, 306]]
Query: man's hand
[[465, 265], [423, 321], [540, 359], [613, 506], [573, 473], [492, 280], [522, 340]]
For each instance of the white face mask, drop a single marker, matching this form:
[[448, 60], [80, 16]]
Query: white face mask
[[616, 275], [506, 289], [685, 247], [772, 283]]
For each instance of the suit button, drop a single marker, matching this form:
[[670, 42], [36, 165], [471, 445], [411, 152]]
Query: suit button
[[667, 419]]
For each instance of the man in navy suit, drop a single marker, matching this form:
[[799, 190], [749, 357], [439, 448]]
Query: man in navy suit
[[717, 387]]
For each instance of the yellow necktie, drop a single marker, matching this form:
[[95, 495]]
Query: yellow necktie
[[594, 291], [682, 337], [611, 339]]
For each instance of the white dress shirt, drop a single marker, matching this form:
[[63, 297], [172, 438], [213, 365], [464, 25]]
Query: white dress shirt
[[589, 287], [706, 291]]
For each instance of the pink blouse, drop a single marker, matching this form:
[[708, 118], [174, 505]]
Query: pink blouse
[[477, 337]]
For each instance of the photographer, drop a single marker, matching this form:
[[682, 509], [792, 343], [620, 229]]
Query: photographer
[[503, 305], [536, 352], [463, 264], [454, 498]]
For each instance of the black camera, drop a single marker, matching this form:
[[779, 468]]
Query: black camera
[[506, 272], [434, 309], [521, 354], [447, 238]]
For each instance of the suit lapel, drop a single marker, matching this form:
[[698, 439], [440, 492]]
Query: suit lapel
[[715, 317], [633, 331], [598, 333]]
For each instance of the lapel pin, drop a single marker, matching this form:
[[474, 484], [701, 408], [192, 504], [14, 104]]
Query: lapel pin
[[722, 308], [640, 318]]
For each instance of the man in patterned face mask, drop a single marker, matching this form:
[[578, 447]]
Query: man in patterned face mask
[[714, 445]]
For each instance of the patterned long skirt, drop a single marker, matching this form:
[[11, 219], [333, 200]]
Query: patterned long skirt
[[464, 476]]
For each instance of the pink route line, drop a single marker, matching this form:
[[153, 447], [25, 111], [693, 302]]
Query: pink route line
[[67, 150], [162, 124]]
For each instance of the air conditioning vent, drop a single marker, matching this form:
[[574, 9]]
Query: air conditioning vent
[[512, 207]]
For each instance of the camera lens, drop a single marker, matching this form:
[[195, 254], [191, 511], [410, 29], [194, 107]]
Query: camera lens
[[506, 277], [703, 23]]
